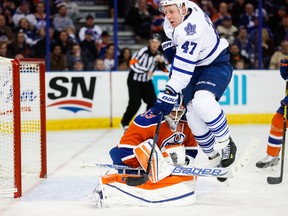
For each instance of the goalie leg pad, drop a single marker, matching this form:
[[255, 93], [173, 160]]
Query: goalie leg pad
[[159, 167], [169, 192]]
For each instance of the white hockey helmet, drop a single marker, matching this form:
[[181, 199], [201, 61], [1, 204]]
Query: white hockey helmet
[[178, 3], [176, 114]]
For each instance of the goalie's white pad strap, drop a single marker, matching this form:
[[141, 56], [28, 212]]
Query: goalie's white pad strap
[[159, 167]]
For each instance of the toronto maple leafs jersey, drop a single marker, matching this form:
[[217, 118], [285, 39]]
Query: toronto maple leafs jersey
[[197, 44], [144, 127]]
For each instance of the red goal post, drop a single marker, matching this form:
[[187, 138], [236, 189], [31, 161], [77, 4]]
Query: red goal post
[[22, 123]]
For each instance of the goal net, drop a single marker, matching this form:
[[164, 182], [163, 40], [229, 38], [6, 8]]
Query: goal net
[[22, 123]]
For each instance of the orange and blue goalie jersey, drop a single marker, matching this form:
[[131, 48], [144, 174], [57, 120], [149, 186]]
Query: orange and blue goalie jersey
[[144, 128]]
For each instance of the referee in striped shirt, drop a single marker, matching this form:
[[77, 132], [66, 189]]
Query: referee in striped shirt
[[142, 66]]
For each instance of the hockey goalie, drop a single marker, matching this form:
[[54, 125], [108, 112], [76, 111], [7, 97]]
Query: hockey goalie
[[175, 145]]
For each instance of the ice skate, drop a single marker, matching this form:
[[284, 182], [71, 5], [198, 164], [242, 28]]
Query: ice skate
[[268, 161], [228, 154]]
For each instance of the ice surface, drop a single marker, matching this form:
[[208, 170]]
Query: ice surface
[[63, 192]]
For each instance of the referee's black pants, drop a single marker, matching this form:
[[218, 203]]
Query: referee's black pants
[[138, 91]]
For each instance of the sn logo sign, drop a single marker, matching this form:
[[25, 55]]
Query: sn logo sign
[[73, 94]]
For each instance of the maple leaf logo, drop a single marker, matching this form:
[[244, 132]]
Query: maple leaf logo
[[190, 29]]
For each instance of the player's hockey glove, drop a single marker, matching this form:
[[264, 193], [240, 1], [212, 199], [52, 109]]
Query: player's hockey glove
[[284, 102], [165, 102], [284, 68], [169, 49]]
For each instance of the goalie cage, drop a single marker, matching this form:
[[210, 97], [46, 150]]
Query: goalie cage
[[22, 123]]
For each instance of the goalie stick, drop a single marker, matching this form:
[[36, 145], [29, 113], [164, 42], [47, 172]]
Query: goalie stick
[[278, 180], [229, 172]]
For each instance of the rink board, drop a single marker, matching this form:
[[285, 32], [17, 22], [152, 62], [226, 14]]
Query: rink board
[[99, 99]]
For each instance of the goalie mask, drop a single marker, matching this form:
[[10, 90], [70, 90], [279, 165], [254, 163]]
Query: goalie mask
[[176, 114]]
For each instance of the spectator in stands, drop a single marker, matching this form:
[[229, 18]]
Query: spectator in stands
[[236, 59], [276, 18], [24, 11], [89, 24], [281, 31], [74, 55], [267, 48], [57, 59], [29, 31], [238, 8], [64, 42], [140, 18], [247, 18], [256, 24], [71, 35], [88, 49], [217, 18], [105, 41], [6, 33], [247, 49], [227, 30], [40, 15], [39, 48], [72, 10], [3, 49], [61, 20], [278, 55], [108, 57], [124, 58], [78, 65], [8, 10], [19, 46], [99, 65]]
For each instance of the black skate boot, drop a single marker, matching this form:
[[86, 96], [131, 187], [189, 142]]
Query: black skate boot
[[228, 156], [268, 161]]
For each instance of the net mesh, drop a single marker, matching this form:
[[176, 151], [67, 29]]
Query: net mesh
[[30, 123], [7, 181], [30, 118]]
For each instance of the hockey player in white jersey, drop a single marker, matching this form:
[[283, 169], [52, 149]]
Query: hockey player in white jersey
[[201, 70]]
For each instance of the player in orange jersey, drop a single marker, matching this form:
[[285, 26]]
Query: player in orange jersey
[[174, 132], [276, 130], [175, 146]]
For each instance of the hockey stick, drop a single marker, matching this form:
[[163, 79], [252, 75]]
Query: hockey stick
[[278, 180], [136, 181], [228, 172]]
